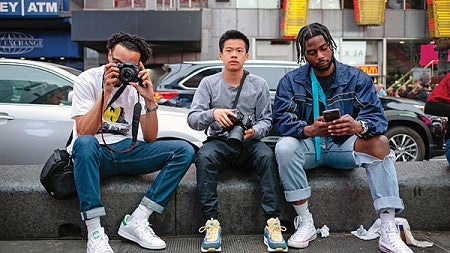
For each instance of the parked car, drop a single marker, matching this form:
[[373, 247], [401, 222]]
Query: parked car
[[413, 135], [178, 85], [31, 129]]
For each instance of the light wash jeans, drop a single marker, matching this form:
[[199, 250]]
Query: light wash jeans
[[294, 156], [93, 162]]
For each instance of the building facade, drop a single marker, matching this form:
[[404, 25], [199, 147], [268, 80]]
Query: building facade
[[181, 30]]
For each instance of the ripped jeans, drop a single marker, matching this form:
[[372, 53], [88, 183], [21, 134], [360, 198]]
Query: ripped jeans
[[294, 156]]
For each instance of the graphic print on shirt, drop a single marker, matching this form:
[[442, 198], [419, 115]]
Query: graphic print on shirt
[[114, 121]]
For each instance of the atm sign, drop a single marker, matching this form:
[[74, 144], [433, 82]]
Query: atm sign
[[371, 70]]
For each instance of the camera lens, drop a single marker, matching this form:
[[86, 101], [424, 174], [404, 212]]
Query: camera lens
[[126, 75], [236, 136]]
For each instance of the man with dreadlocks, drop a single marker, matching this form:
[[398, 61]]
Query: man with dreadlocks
[[355, 138], [103, 108]]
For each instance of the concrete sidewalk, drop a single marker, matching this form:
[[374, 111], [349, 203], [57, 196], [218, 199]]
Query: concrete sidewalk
[[335, 243]]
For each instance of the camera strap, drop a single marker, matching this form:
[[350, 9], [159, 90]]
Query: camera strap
[[135, 123], [239, 89], [241, 83], [114, 98]]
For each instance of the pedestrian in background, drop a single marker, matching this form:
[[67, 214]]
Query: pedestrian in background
[[235, 131], [438, 103], [101, 128], [349, 140]]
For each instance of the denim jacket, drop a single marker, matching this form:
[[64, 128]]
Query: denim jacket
[[352, 91]]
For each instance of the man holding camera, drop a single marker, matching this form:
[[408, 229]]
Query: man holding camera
[[345, 138], [107, 101], [236, 109]]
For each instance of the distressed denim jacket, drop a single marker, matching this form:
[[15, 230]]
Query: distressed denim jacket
[[352, 91]]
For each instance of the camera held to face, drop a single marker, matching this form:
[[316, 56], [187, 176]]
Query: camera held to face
[[128, 72], [240, 124]]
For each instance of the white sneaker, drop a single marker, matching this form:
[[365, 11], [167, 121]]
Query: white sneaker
[[304, 232], [98, 242], [140, 233], [390, 241]]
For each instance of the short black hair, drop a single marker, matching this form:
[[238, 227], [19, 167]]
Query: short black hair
[[309, 31], [234, 35], [130, 42]]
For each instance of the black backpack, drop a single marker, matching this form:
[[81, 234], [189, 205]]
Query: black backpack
[[57, 175]]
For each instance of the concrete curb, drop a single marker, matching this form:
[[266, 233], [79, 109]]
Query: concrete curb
[[340, 199]]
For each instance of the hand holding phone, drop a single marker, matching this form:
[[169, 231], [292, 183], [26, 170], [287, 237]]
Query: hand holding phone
[[330, 115]]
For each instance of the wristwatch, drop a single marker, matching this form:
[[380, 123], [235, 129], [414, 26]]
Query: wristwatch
[[151, 109], [364, 127]]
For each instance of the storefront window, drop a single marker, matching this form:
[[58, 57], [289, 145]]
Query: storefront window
[[324, 4], [406, 4], [193, 3], [403, 56], [364, 55], [142, 4], [129, 3], [415, 4], [258, 4]]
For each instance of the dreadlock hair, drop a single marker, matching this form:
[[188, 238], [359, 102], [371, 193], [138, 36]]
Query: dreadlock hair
[[130, 42], [233, 35], [309, 31]]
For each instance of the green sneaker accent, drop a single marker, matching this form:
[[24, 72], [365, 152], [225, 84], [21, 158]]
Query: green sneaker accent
[[124, 221], [96, 234]]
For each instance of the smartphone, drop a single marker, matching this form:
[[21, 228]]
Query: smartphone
[[330, 115]]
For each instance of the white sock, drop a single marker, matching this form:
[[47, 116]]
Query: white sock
[[387, 215], [302, 210], [141, 213], [93, 224]]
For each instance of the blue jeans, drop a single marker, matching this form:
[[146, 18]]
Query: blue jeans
[[294, 156], [93, 162]]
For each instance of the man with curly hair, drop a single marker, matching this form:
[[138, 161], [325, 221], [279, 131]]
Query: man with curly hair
[[103, 146]]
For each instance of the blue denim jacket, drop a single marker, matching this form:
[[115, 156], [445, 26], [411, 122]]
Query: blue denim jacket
[[352, 91]]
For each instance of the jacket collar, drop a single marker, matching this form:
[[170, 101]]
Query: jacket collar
[[301, 75]]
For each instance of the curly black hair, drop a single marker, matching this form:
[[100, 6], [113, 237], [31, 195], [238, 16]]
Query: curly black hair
[[309, 31], [131, 42]]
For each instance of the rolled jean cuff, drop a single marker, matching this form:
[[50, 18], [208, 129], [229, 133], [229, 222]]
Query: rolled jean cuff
[[152, 205], [389, 203], [93, 213], [296, 195]]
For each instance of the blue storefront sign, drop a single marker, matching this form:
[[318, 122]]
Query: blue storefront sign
[[31, 44], [32, 8]]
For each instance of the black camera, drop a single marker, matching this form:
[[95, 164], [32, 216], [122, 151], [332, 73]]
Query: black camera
[[240, 124], [128, 72]]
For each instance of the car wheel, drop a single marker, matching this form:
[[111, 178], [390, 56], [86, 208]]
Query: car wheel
[[406, 143]]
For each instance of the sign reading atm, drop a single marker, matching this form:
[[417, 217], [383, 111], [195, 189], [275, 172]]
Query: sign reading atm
[[30, 8]]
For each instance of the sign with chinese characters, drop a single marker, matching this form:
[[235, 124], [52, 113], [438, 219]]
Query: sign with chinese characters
[[294, 18], [439, 18], [30, 8], [369, 12]]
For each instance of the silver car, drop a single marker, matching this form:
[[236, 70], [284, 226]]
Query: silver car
[[35, 112]]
